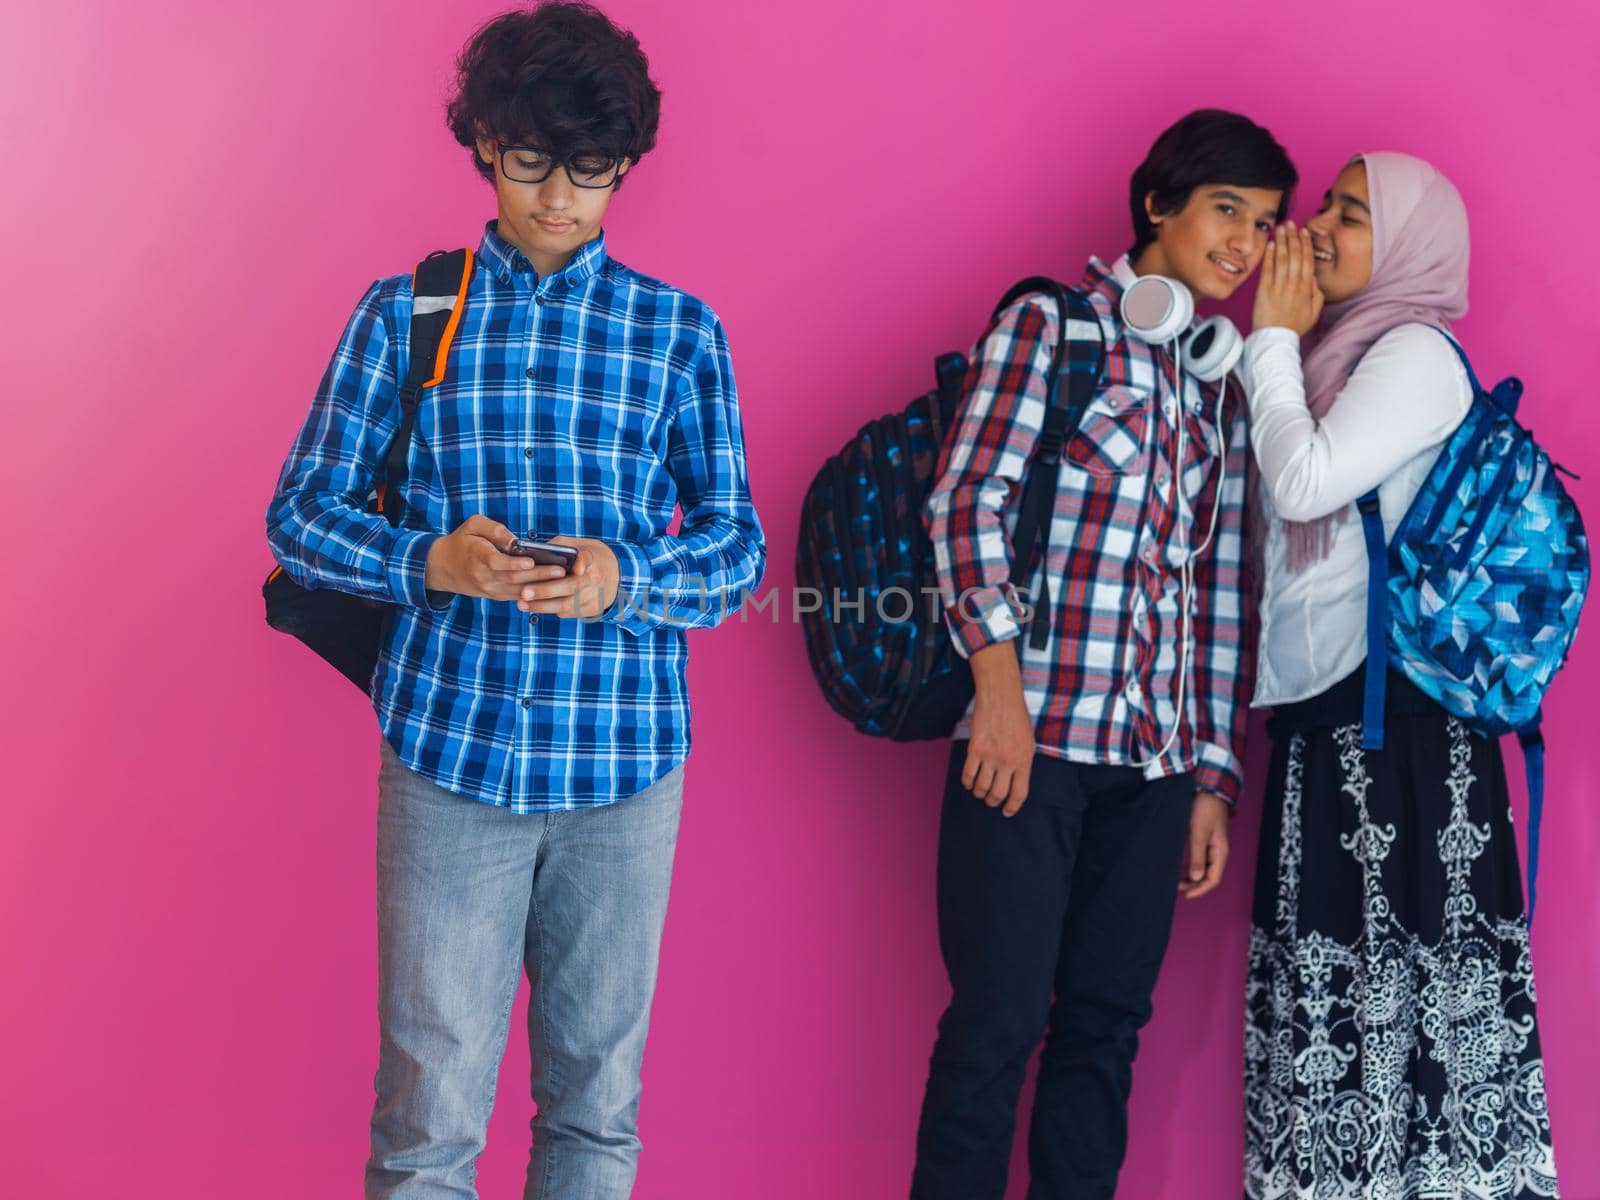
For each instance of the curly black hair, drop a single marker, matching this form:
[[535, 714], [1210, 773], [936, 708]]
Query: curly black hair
[[559, 75], [1209, 145]]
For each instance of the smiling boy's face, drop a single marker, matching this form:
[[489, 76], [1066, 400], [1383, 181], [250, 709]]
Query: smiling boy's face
[[548, 221], [1214, 242]]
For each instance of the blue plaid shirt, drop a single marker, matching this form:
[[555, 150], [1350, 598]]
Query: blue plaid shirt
[[588, 403]]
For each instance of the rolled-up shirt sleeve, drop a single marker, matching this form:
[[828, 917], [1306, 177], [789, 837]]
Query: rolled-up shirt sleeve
[[981, 468]]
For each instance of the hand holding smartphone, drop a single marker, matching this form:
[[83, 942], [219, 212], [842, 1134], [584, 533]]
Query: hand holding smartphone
[[546, 554]]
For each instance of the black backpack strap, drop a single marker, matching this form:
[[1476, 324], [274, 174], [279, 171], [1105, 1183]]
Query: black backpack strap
[[1081, 362], [438, 294], [949, 370]]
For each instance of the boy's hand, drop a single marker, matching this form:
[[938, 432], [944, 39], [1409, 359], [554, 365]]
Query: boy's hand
[[588, 591], [1208, 845], [1287, 294], [1000, 754], [469, 562]]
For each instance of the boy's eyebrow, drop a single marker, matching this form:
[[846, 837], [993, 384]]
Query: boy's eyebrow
[[1231, 196]]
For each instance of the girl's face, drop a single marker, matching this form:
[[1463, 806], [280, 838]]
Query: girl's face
[[1341, 236]]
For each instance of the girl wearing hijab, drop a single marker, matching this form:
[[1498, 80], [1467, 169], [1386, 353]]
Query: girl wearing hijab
[[1391, 1048]]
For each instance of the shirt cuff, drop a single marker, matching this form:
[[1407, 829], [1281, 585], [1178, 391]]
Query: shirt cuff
[[634, 575], [984, 616], [1218, 771], [408, 571]]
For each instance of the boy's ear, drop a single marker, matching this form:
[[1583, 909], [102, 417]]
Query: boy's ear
[[1150, 208], [627, 165], [486, 149]]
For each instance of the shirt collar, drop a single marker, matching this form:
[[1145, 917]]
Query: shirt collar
[[1110, 281], [506, 262]]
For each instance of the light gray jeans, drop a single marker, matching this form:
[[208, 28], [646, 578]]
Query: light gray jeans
[[470, 895]]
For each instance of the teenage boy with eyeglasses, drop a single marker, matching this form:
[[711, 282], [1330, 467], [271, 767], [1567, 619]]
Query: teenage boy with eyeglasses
[[1064, 823], [535, 723]]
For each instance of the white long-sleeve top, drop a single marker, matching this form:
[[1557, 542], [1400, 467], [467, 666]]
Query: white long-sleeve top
[[1402, 401]]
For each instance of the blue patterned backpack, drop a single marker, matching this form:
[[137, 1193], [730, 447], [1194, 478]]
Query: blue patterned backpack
[[1477, 598]]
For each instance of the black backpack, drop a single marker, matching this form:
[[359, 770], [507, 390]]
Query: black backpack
[[883, 657], [345, 629]]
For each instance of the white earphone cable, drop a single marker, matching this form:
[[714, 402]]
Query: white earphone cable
[[1186, 568]]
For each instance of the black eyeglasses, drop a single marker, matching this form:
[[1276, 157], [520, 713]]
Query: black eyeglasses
[[533, 164]]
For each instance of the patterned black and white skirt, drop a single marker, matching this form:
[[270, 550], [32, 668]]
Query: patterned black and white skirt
[[1391, 1047]]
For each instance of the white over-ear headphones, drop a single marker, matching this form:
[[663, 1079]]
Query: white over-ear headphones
[[1158, 310]]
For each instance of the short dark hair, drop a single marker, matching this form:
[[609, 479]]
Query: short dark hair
[[560, 75], [1209, 145]]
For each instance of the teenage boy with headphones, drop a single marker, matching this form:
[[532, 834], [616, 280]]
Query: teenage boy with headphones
[[1084, 767], [535, 721]]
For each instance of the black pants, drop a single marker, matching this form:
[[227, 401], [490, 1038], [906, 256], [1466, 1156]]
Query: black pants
[[1073, 895]]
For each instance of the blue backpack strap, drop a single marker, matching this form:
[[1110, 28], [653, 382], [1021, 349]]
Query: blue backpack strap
[[1472, 376], [1507, 394], [1505, 398], [1377, 622], [1532, 740]]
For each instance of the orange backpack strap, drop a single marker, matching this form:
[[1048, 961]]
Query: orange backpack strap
[[438, 294]]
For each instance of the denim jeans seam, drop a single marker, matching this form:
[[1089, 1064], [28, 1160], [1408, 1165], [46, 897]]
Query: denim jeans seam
[[544, 1039], [493, 1071]]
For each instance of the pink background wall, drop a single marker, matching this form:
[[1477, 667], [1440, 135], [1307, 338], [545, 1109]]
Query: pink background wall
[[197, 195]]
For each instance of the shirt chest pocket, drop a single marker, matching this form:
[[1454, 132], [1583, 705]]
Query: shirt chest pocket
[[1110, 440]]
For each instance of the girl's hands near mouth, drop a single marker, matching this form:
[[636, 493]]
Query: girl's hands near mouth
[[1287, 295]]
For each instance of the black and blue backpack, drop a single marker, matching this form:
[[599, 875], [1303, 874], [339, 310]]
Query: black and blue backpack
[[1477, 598], [877, 640], [344, 629]]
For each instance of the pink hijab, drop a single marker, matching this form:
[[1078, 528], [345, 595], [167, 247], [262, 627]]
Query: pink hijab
[[1419, 274]]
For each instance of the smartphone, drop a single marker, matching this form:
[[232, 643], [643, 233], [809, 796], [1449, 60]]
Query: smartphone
[[546, 554]]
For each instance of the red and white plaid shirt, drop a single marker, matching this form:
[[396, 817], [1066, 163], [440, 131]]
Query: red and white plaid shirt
[[1104, 688]]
